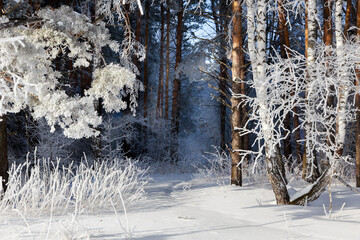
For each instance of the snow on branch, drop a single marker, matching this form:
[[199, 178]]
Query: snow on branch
[[28, 77], [109, 82], [285, 84]]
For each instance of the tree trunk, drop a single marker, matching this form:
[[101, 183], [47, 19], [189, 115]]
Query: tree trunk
[[146, 63], [167, 76], [330, 101], [274, 169], [285, 53], [31, 137], [236, 173], [328, 23], [357, 157], [96, 140], [344, 85], [160, 98], [223, 68], [315, 190], [222, 87], [310, 166], [347, 18], [137, 37], [257, 52], [244, 111], [4, 164], [221, 22], [357, 105], [175, 111]]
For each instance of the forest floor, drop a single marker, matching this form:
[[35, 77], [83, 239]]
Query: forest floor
[[180, 207]]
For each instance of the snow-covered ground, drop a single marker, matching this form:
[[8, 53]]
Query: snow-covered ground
[[179, 207]]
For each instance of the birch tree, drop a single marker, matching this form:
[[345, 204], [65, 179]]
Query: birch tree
[[310, 166], [257, 52], [344, 81], [279, 87]]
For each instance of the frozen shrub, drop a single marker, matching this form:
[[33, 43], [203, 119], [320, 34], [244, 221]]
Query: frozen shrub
[[44, 186], [216, 167]]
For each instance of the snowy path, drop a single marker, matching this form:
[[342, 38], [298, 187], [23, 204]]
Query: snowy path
[[179, 208]]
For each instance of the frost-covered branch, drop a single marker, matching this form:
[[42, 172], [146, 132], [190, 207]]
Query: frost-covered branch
[[28, 78]]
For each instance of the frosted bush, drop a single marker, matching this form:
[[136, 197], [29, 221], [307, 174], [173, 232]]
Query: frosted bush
[[255, 171], [216, 167], [43, 186]]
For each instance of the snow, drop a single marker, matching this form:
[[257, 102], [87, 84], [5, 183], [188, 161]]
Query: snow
[[179, 207]]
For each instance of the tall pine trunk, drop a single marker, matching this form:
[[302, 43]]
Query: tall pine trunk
[[223, 68], [146, 62], [160, 98], [167, 76], [236, 171], [175, 111], [221, 22], [349, 7], [137, 37]]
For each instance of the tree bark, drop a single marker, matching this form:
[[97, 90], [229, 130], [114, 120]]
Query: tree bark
[[357, 105], [244, 111], [347, 18], [175, 111], [146, 62], [4, 162], [257, 52], [137, 37], [223, 69], [285, 53], [357, 157], [330, 101], [310, 166], [315, 190], [220, 21], [167, 76], [236, 171], [344, 85], [160, 98]]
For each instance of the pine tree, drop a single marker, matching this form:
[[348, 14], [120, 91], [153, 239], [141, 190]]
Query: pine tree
[[237, 78]]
